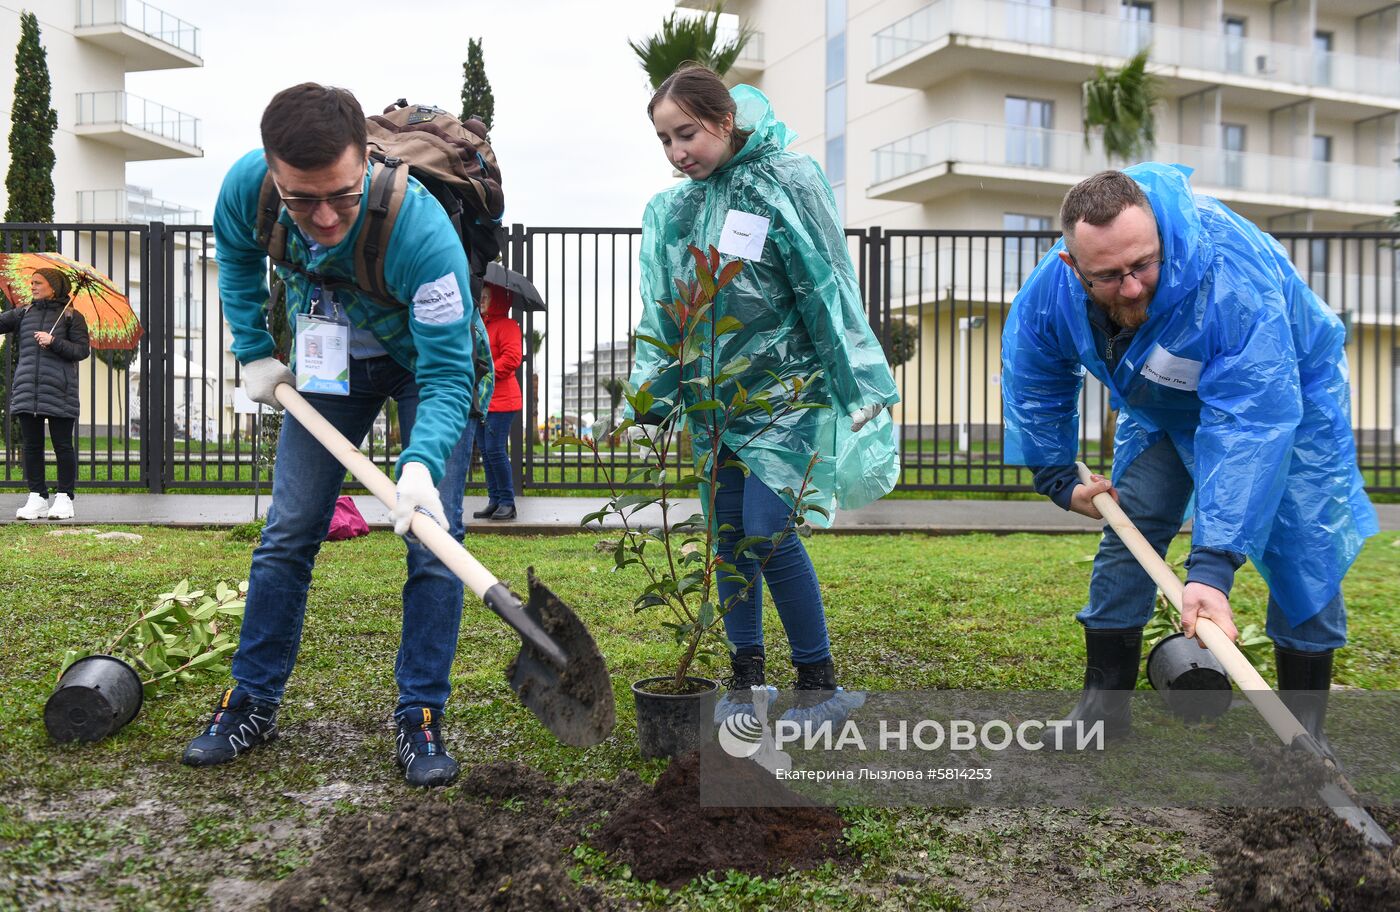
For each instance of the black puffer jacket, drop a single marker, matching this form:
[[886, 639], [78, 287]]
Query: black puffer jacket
[[46, 379]]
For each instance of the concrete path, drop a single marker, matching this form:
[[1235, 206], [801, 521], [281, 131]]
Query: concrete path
[[558, 515]]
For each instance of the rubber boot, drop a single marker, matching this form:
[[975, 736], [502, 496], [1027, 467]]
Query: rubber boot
[[1304, 681], [1111, 660]]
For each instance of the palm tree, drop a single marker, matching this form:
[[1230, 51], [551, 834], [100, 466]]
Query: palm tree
[[615, 387], [1121, 103], [685, 39]]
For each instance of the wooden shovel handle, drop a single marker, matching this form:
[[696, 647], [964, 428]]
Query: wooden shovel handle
[[1284, 724], [434, 537]]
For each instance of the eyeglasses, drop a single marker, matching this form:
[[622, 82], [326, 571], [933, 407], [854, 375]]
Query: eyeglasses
[[1110, 282], [304, 204]]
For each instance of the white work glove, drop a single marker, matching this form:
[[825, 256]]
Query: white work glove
[[260, 379], [635, 435], [860, 416], [416, 493]]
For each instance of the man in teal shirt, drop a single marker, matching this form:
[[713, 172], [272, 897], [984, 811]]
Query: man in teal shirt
[[419, 354]]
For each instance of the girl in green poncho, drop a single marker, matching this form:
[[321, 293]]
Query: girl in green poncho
[[800, 305]]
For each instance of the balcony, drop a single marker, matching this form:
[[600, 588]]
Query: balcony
[[958, 154], [131, 205], [148, 38], [951, 36], [144, 130], [750, 60]]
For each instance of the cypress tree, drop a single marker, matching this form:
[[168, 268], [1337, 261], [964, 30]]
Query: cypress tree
[[29, 180], [477, 99]]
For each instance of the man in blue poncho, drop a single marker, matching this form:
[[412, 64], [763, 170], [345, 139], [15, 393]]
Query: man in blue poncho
[[1231, 380]]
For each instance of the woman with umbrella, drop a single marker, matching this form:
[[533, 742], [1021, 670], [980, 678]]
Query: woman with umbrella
[[52, 339]]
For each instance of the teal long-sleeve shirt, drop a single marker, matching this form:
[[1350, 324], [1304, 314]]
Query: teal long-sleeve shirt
[[425, 268]]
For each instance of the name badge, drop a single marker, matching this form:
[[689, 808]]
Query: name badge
[[1172, 371], [743, 235], [322, 347]]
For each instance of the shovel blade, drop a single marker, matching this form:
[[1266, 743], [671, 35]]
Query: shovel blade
[[574, 702]]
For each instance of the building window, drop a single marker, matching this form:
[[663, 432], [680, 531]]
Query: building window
[[1318, 262], [1028, 122], [1232, 154], [836, 59], [1321, 183], [836, 157], [1234, 44], [1020, 254], [1138, 17], [1322, 58], [836, 102]]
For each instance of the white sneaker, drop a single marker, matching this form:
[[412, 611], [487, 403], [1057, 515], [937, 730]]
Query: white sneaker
[[62, 507], [37, 507]]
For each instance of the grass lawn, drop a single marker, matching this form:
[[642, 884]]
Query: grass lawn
[[121, 825]]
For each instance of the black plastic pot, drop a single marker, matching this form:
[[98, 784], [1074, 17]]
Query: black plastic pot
[[1191, 679], [96, 696], [671, 724]]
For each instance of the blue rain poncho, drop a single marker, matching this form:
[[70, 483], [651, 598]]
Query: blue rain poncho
[[801, 308], [1239, 363]]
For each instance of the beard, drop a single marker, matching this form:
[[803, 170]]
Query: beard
[[1129, 315]]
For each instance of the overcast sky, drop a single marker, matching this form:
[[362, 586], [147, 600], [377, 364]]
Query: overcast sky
[[570, 127]]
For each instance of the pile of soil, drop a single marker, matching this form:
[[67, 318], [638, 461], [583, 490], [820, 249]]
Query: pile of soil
[[666, 836], [503, 843], [1304, 858], [503, 846]]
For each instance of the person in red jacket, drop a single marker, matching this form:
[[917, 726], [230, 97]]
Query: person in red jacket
[[493, 434]]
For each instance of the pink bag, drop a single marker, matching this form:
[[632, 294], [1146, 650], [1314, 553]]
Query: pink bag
[[346, 522]]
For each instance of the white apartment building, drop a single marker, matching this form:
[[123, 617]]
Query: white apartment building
[[966, 115], [91, 45], [581, 388]]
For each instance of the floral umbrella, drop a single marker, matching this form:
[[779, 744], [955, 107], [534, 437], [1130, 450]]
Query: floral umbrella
[[112, 324]]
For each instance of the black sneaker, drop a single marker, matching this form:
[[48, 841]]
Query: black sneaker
[[238, 725], [420, 751]]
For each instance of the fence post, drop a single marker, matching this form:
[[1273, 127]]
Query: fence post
[[157, 432], [874, 247], [524, 374]]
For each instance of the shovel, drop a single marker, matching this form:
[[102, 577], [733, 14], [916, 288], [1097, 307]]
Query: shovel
[[558, 673], [1289, 730]]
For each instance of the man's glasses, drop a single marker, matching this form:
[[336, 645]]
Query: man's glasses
[[1110, 282], [340, 202]]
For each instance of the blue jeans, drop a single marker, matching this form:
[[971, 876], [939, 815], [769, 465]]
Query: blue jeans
[[1155, 491], [493, 442], [748, 505], [306, 483]]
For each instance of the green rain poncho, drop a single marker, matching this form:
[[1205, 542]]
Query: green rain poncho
[[801, 308]]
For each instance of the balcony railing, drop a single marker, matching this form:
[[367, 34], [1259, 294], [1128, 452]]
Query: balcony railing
[[751, 56], [131, 205], [144, 18], [1109, 36], [1064, 152], [96, 108]]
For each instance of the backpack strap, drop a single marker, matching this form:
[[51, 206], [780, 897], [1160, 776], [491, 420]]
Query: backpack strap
[[387, 188], [271, 233]]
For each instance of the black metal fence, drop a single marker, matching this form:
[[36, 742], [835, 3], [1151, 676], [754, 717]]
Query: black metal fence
[[937, 299]]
